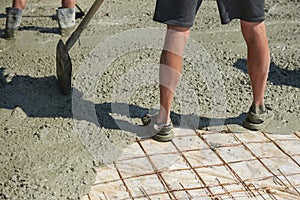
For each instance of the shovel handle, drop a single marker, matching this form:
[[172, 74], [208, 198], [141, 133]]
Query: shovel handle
[[83, 24]]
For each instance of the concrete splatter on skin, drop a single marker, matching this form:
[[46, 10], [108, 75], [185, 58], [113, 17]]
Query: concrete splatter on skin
[[42, 155]]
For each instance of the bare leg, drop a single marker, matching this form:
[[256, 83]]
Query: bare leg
[[21, 4], [258, 57], [68, 3], [170, 69]]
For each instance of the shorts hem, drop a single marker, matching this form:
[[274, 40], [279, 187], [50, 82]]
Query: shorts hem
[[174, 23], [258, 19]]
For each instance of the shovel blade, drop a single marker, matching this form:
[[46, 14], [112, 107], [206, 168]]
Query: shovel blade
[[63, 68]]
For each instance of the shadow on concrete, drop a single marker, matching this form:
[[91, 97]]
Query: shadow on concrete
[[54, 30], [41, 97], [277, 75], [78, 15]]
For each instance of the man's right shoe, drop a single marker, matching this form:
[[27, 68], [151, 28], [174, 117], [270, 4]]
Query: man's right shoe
[[258, 117], [160, 132], [66, 20], [13, 20]]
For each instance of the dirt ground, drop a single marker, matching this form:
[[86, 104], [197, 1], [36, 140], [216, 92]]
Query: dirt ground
[[46, 155]]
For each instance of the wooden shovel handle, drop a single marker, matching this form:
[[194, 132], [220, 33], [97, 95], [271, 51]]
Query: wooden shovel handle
[[83, 24]]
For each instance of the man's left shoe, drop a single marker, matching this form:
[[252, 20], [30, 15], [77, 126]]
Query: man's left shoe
[[13, 20], [258, 117]]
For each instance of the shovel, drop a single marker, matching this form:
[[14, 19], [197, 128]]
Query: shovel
[[63, 60]]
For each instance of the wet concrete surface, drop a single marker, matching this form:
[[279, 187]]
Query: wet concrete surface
[[49, 148]]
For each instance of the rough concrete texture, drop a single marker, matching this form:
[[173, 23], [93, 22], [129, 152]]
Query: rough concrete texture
[[46, 155]]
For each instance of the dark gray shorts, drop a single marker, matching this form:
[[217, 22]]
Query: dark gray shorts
[[183, 12]]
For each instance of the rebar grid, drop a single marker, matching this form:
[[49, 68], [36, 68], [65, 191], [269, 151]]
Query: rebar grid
[[163, 182], [247, 188]]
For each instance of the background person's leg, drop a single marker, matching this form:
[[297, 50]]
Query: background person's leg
[[21, 4], [68, 3]]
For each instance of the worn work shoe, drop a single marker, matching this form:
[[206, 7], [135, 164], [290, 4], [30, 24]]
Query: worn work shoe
[[66, 20], [13, 20], [160, 132], [147, 118], [258, 117]]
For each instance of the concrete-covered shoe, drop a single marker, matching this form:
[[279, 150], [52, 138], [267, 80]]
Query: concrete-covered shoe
[[147, 118], [258, 117], [164, 133], [13, 21], [66, 20], [160, 132]]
